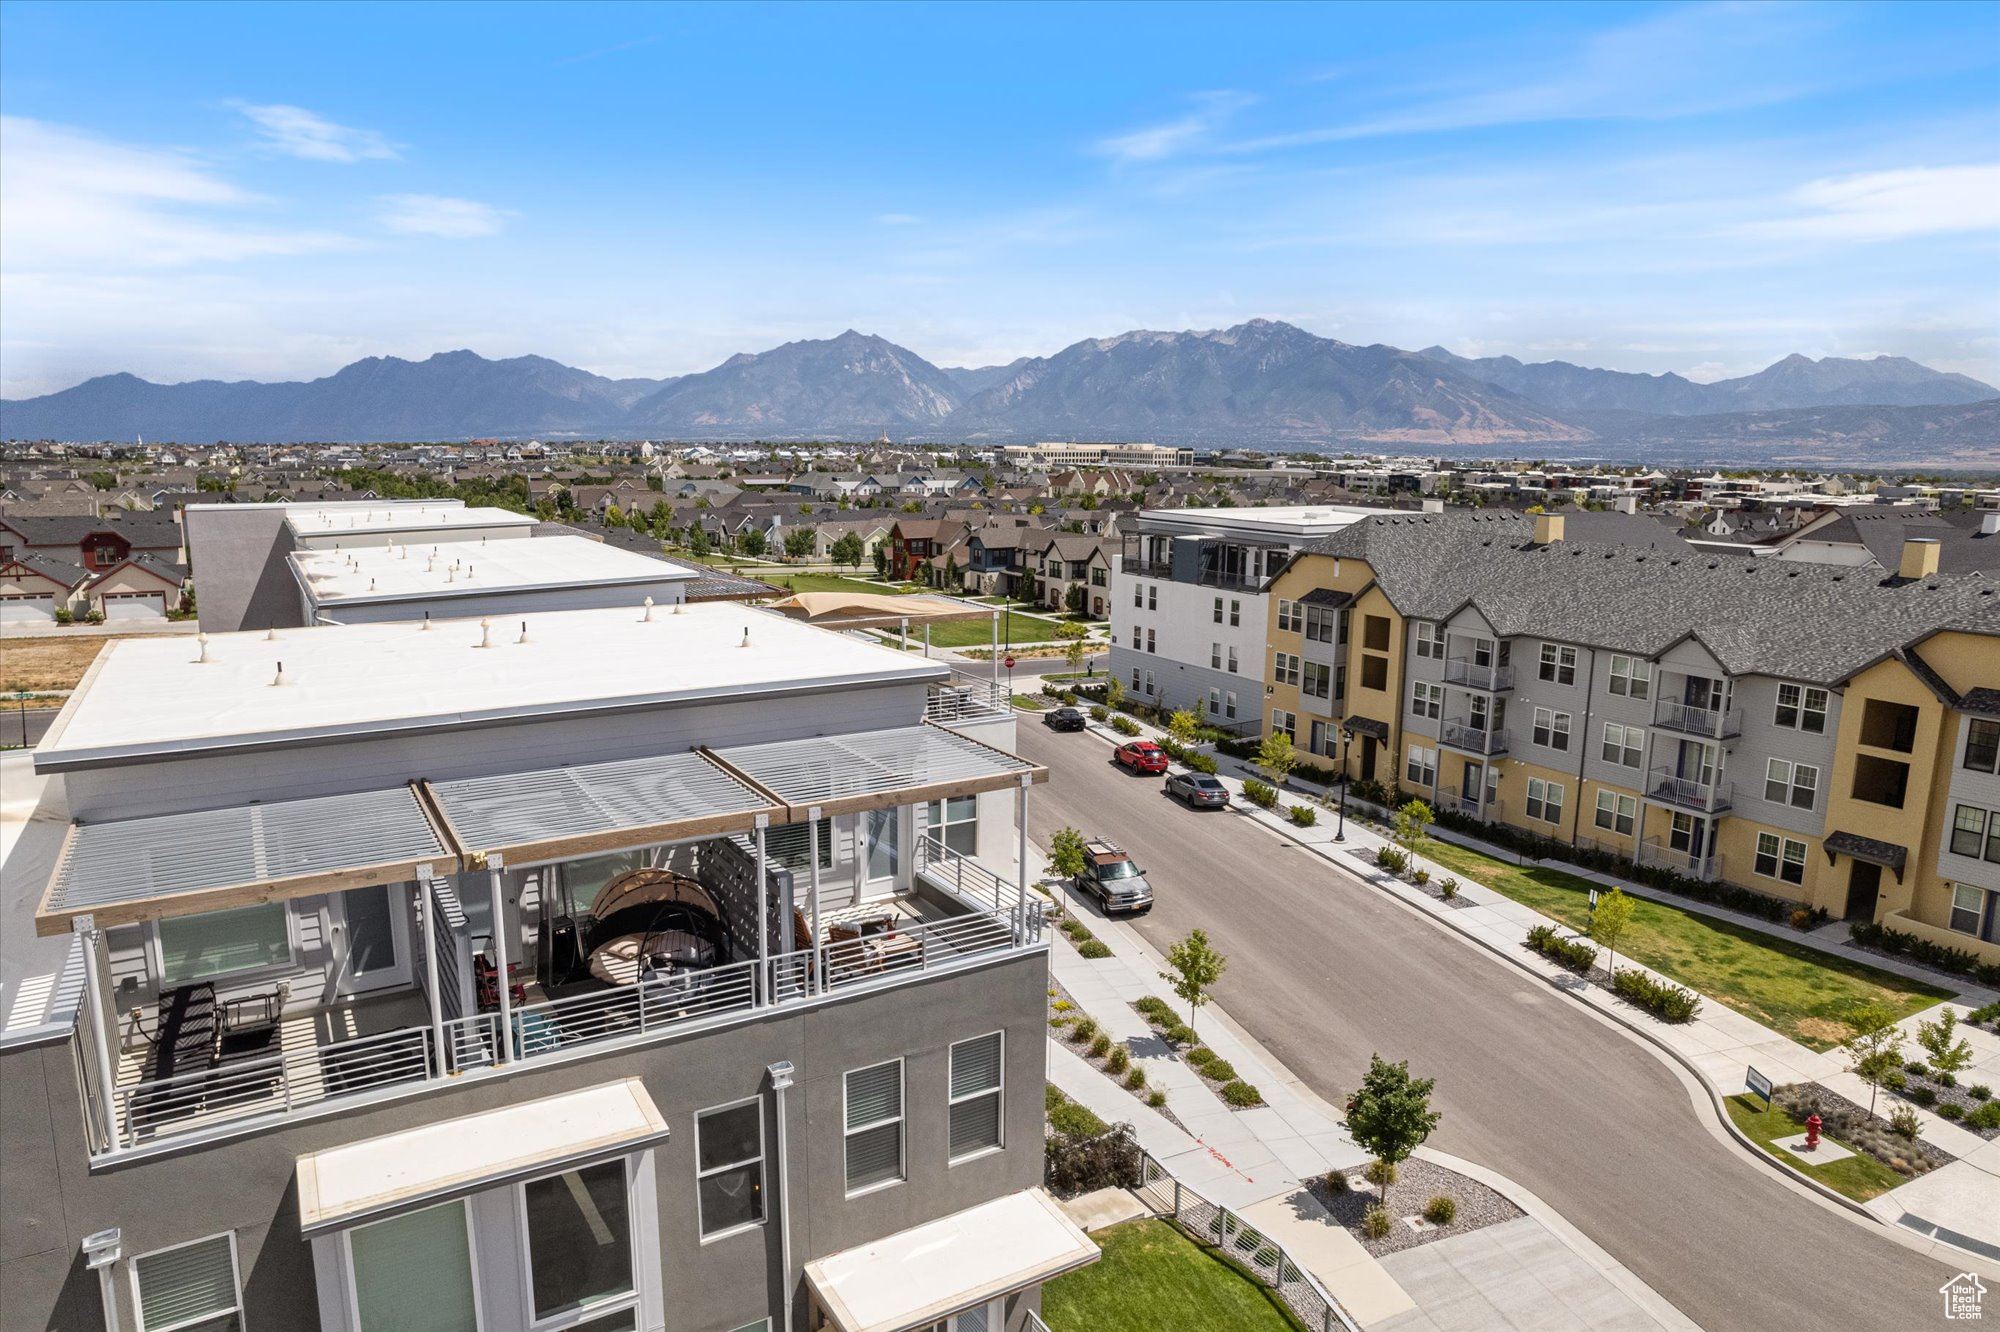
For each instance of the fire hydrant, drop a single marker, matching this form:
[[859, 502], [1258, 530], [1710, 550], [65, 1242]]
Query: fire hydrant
[[1812, 1131]]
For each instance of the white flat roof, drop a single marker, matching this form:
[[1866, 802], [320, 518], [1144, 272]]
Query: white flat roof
[[377, 1177], [331, 520], [426, 571], [153, 697], [1295, 521], [922, 1275]]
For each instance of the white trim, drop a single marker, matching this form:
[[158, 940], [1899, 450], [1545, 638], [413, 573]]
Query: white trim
[[607, 1304], [235, 1276], [763, 1211], [349, 1270], [901, 1121], [998, 1091]]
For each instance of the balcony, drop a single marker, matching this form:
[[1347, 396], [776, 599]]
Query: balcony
[[1707, 868], [1467, 738], [1665, 786], [1470, 674], [1708, 723], [967, 700]]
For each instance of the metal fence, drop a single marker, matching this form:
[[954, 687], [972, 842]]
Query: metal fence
[[1261, 1256]]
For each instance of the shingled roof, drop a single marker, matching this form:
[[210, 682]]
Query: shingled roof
[[1799, 621]]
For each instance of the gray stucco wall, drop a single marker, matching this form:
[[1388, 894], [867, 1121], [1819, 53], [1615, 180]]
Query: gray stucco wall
[[242, 578], [247, 1184]]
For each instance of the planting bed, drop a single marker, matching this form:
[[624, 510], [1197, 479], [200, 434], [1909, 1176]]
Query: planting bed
[[1417, 1182]]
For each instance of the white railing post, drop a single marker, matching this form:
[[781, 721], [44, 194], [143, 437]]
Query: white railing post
[[763, 914], [427, 923], [103, 1019], [497, 877], [1021, 870], [818, 977]]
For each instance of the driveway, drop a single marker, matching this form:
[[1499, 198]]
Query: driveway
[[1324, 970]]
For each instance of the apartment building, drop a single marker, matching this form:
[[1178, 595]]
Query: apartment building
[[1055, 457], [1189, 603], [634, 968], [1819, 734]]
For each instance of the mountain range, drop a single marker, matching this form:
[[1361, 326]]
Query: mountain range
[[1262, 383]]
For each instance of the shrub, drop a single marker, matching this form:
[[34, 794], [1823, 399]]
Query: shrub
[[1072, 1120], [1868, 934], [1979, 1091], [1098, 713], [1241, 1094], [1945, 1079], [1136, 1079], [1118, 1061], [1156, 1098], [1201, 762], [1381, 1173], [1109, 1160], [1421, 877], [1389, 858], [1180, 1033], [1305, 816], [1895, 1081], [1059, 1022], [1917, 1067], [1093, 949], [1260, 794], [1376, 1223], [1062, 1005], [1672, 1003], [1905, 1122], [1923, 1096], [1802, 918], [1155, 1009], [1075, 929], [1951, 1110], [1441, 1211], [1100, 1046], [1986, 1116], [1571, 954], [1084, 1029], [1336, 1181], [1219, 1068], [94, 616], [1124, 725], [1200, 1056], [64, 616], [1449, 888]]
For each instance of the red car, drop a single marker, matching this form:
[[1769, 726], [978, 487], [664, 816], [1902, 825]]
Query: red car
[[1140, 756]]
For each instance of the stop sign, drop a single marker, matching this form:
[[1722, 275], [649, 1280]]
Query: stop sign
[[1009, 663]]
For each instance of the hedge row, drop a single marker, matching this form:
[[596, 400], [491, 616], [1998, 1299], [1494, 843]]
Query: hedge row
[[1898, 943], [1573, 954], [1672, 1003]]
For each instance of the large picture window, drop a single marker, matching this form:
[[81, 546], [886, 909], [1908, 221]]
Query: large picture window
[[413, 1273], [977, 1072], [190, 1287], [217, 943], [579, 1238], [955, 822], [874, 1126], [729, 1167]]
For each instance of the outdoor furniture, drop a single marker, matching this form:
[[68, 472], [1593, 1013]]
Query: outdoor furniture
[[619, 961], [486, 978]]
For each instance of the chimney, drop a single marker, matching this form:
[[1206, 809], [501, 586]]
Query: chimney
[[1920, 557], [1433, 506], [1989, 523], [1626, 504], [1548, 528]]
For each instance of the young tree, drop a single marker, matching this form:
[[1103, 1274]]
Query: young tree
[[847, 550], [1114, 692], [1183, 726], [751, 541], [614, 516], [1196, 968], [1391, 1115], [1611, 920], [881, 559], [1066, 853], [1943, 1055], [951, 571], [1876, 1051], [1076, 600], [1027, 587], [1277, 756], [1413, 823], [698, 543], [1072, 636], [799, 542]]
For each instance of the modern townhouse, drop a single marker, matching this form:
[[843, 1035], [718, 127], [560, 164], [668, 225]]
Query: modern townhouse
[[1072, 563], [1809, 732], [632, 968], [1189, 603]]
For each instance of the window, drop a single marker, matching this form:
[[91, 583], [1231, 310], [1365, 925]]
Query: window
[[988, 1317], [1422, 770], [1617, 813], [1552, 728], [874, 1126], [1430, 643], [1287, 722], [1622, 744], [1215, 656], [1982, 745], [729, 1167], [1287, 670], [1215, 702], [1787, 783], [976, 1078], [1152, 597], [1975, 832], [1139, 595], [791, 845], [1801, 709], [1135, 676], [1375, 633], [1316, 680], [1289, 619], [1966, 902], [1545, 800], [1218, 610], [1152, 643], [1149, 683], [218, 943], [1426, 700], [1232, 661], [1780, 858], [192, 1286], [1374, 672], [1229, 705], [1235, 613], [1631, 677], [955, 822], [415, 1270], [1319, 623], [1558, 664], [583, 878], [579, 1238]]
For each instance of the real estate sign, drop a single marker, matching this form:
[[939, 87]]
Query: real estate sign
[[1759, 1085]]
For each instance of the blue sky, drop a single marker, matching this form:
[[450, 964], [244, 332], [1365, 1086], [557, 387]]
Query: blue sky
[[272, 191]]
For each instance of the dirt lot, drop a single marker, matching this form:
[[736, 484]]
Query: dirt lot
[[51, 663]]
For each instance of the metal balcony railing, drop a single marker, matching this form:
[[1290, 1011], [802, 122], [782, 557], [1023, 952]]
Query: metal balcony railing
[[1705, 867], [966, 699], [1709, 723], [1470, 674], [1668, 787], [1472, 739]]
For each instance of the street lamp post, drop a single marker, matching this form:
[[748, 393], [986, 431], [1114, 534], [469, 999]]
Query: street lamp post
[[1346, 739]]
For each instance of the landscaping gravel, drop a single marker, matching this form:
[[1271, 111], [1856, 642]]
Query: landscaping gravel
[[1960, 1096], [1417, 1182], [1057, 994], [1851, 1126]]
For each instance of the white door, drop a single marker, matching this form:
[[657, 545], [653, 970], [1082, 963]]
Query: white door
[[135, 606], [27, 610], [374, 925]]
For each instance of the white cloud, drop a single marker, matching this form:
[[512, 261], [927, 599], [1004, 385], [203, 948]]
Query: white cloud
[[1889, 205], [1155, 142], [72, 200], [302, 133], [436, 215]]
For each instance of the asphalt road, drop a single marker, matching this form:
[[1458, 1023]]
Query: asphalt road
[[33, 724], [1325, 970]]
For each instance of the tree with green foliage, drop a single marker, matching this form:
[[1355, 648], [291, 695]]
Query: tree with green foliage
[[1027, 587], [847, 550], [1114, 692], [102, 480], [1391, 1115], [1066, 856], [951, 576], [1876, 1050], [1183, 726], [799, 542], [614, 516], [1076, 600], [1196, 967], [881, 558], [1413, 822], [1277, 756], [1940, 1051], [751, 541], [698, 543], [1610, 920], [1072, 637]]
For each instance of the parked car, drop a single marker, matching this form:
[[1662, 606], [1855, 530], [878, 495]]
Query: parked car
[[1140, 756], [1113, 878], [1064, 719], [1198, 789]]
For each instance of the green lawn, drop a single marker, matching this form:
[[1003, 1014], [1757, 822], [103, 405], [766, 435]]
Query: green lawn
[[1151, 1278], [1860, 1176], [818, 582], [979, 633], [1799, 991]]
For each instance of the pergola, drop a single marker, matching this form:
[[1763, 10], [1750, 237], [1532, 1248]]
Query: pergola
[[888, 610]]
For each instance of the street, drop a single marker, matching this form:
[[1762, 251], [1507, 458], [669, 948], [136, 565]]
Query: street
[[1325, 970]]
